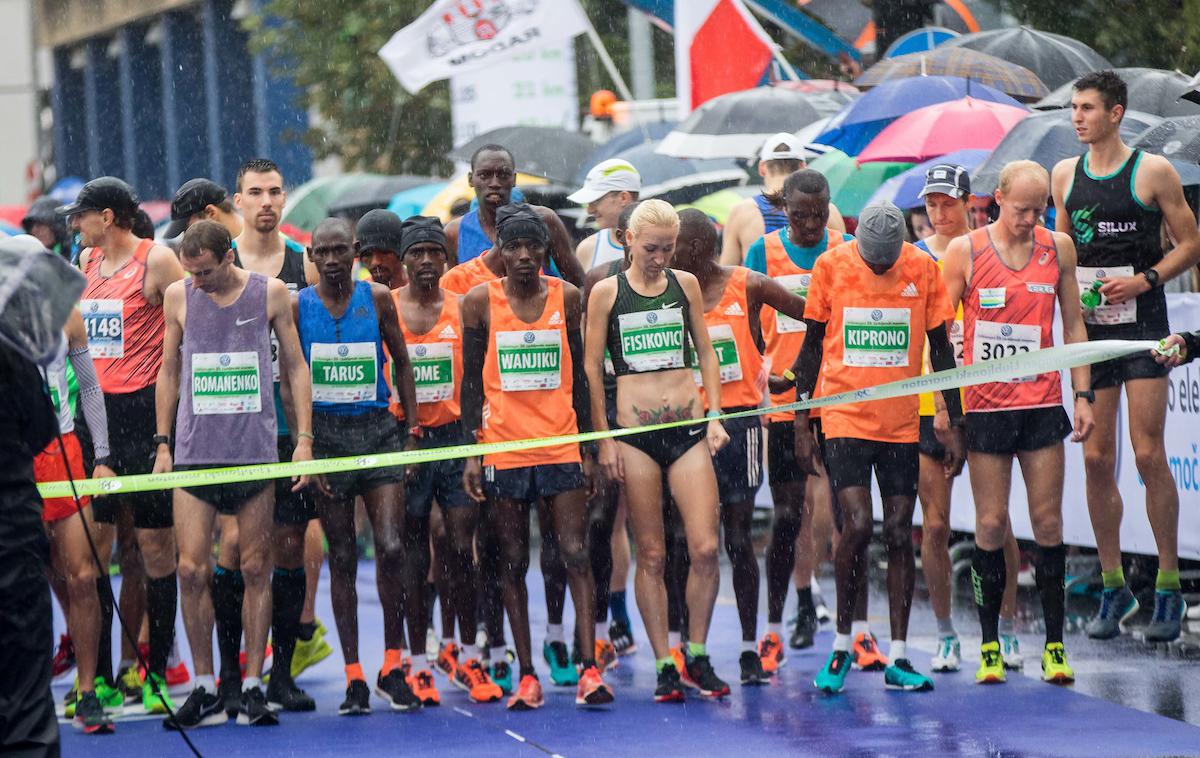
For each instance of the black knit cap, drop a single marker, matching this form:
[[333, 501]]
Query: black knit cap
[[418, 229], [520, 221], [378, 229]]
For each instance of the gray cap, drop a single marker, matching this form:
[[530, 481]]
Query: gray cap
[[880, 233]]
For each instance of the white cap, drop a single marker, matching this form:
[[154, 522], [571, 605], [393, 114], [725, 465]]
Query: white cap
[[612, 175], [794, 151]]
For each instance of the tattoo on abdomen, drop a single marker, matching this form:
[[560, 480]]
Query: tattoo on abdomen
[[664, 415]]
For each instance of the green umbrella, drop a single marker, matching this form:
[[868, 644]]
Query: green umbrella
[[718, 205], [851, 184], [308, 204]]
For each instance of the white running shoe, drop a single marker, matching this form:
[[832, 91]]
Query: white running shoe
[[949, 655], [1010, 650]]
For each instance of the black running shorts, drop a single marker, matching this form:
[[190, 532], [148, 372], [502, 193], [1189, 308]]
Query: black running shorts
[[131, 429], [530, 483], [1011, 432], [849, 463], [738, 465]]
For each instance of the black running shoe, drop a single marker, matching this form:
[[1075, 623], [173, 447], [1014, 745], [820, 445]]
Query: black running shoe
[[229, 690], [805, 630], [700, 672], [752, 670], [253, 710], [202, 708], [358, 699], [394, 689], [622, 638], [90, 716], [670, 686], [284, 695]]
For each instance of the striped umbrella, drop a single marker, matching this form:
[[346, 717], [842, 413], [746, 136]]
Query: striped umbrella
[[1009, 78]]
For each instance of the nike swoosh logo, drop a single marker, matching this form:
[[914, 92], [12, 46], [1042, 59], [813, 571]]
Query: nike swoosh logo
[[243, 322], [670, 305], [694, 432]]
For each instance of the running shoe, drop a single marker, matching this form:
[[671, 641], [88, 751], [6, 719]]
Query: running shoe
[[71, 699], [229, 689], [202, 708], [823, 614], [622, 638], [432, 642], [394, 689], [1055, 668], [1167, 621], [770, 650], [156, 702], [501, 674], [803, 632], [752, 670], [253, 709], [592, 690], [284, 695], [529, 694], [1116, 607], [90, 716], [421, 683], [310, 652], [866, 653], [447, 659], [110, 697], [358, 699], [991, 665], [129, 682], [64, 657], [832, 676], [902, 676], [948, 656], [472, 677], [562, 673], [1010, 649], [177, 674], [680, 660], [670, 686], [606, 655], [700, 675]]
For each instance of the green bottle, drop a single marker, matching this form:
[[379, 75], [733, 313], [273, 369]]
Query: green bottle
[[1091, 297]]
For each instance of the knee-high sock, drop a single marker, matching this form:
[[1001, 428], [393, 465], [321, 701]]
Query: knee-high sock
[[287, 588], [228, 590], [104, 653], [162, 596], [1050, 568], [987, 579]]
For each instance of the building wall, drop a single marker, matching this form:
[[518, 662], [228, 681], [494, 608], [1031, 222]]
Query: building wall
[[18, 101]]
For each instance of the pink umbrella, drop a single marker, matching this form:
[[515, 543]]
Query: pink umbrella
[[965, 124]]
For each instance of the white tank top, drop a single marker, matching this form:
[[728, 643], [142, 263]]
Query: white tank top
[[607, 249], [56, 378]]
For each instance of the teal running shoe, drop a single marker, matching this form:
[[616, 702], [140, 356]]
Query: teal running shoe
[[1167, 622], [1116, 607], [832, 677], [501, 673], [562, 671], [902, 676]]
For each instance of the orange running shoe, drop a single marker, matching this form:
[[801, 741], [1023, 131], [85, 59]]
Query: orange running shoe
[[529, 695], [592, 690], [770, 652], [866, 653], [421, 683], [606, 655], [472, 677], [680, 659], [447, 659]]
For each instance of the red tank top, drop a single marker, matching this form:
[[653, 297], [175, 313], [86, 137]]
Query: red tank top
[[1007, 312], [125, 332], [741, 363], [436, 358], [527, 380]]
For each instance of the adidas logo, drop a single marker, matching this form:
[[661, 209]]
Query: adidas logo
[[448, 333], [555, 319], [909, 291], [735, 310]]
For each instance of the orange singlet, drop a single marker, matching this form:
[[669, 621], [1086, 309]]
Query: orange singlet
[[436, 358], [1006, 312], [125, 332], [740, 361], [464, 276], [527, 380]]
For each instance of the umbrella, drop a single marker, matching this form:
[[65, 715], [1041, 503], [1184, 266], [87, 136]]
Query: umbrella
[[1176, 138], [919, 40], [1151, 90], [678, 180], [1055, 59], [736, 125], [719, 205], [997, 73], [1046, 138], [821, 85], [308, 204], [850, 183], [626, 140], [865, 118], [943, 128], [903, 190], [458, 189], [545, 151], [411, 201], [372, 192]]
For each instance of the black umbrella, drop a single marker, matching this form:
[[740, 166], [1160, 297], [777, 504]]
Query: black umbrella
[[1151, 90], [373, 192], [1046, 138], [1176, 138], [545, 151], [1054, 58]]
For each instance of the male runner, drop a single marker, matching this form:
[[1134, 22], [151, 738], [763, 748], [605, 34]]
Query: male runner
[[869, 303], [199, 199], [1114, 200], [1008, 276], [377, 241], [610, 187], [513, 355], [213, 387], [781, 156], [734, 296], [122, 311]]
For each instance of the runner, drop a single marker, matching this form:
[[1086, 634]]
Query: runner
[[781, 156], [1114, 201], [532, 389], [429, 318], [199, 199], [122, 313], [377, 241], [609, 188], [946, 190], [1006, 276], [733, 300], [869, 302], [350, 417], [649, 338]]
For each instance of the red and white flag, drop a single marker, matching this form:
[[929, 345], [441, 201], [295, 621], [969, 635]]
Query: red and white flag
[[719, 48]]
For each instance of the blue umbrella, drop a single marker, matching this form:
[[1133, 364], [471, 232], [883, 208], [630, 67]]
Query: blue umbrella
[[863, 120], [920, 40], [409, 202], [626, 140], [903, 190]]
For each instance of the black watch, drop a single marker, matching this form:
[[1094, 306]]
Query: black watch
[[104, 460], [1088, 395], [1151, 276], [160, 439]]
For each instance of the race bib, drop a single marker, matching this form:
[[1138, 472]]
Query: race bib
[[343, 372], [274, 358], [726, 349], [652, 340], [529, 360], [995, 340], [225, 383], [956, 339], [105, 324], [796, 284], [433, 370], [875, 337], [1107, 313]]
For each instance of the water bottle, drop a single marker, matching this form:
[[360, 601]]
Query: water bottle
[[1091, 297]]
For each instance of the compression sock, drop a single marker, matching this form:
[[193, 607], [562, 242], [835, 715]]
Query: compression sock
[[162, 595], [104, 653], [987, 579], [1050, 568], [228, 590], [287, 593]]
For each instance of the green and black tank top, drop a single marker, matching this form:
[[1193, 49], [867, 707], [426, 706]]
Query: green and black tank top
[[649, 333]]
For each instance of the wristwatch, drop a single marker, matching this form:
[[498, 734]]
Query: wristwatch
[[1088, 395], [416, 431], [105, 460], [160, 439], [1151, 276]]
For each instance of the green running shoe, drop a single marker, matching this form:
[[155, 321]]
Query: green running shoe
[[129, 684], [151, 700], [902, 676], [110, 697], [1055, 668], [991, 665], [562, 672], [71, 699], [309, 653], [832, 677]]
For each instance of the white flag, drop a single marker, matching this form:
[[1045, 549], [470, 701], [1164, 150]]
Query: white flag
[[454, 36]]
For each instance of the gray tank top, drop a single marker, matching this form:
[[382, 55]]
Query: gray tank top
[[226, 406]]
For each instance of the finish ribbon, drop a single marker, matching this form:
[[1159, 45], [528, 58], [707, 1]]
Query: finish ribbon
[[999, 370]]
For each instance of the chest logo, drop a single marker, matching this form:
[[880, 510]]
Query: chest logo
[[734, 310]]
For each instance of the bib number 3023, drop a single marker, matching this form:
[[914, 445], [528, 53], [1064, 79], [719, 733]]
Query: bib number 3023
[[995, 340]]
